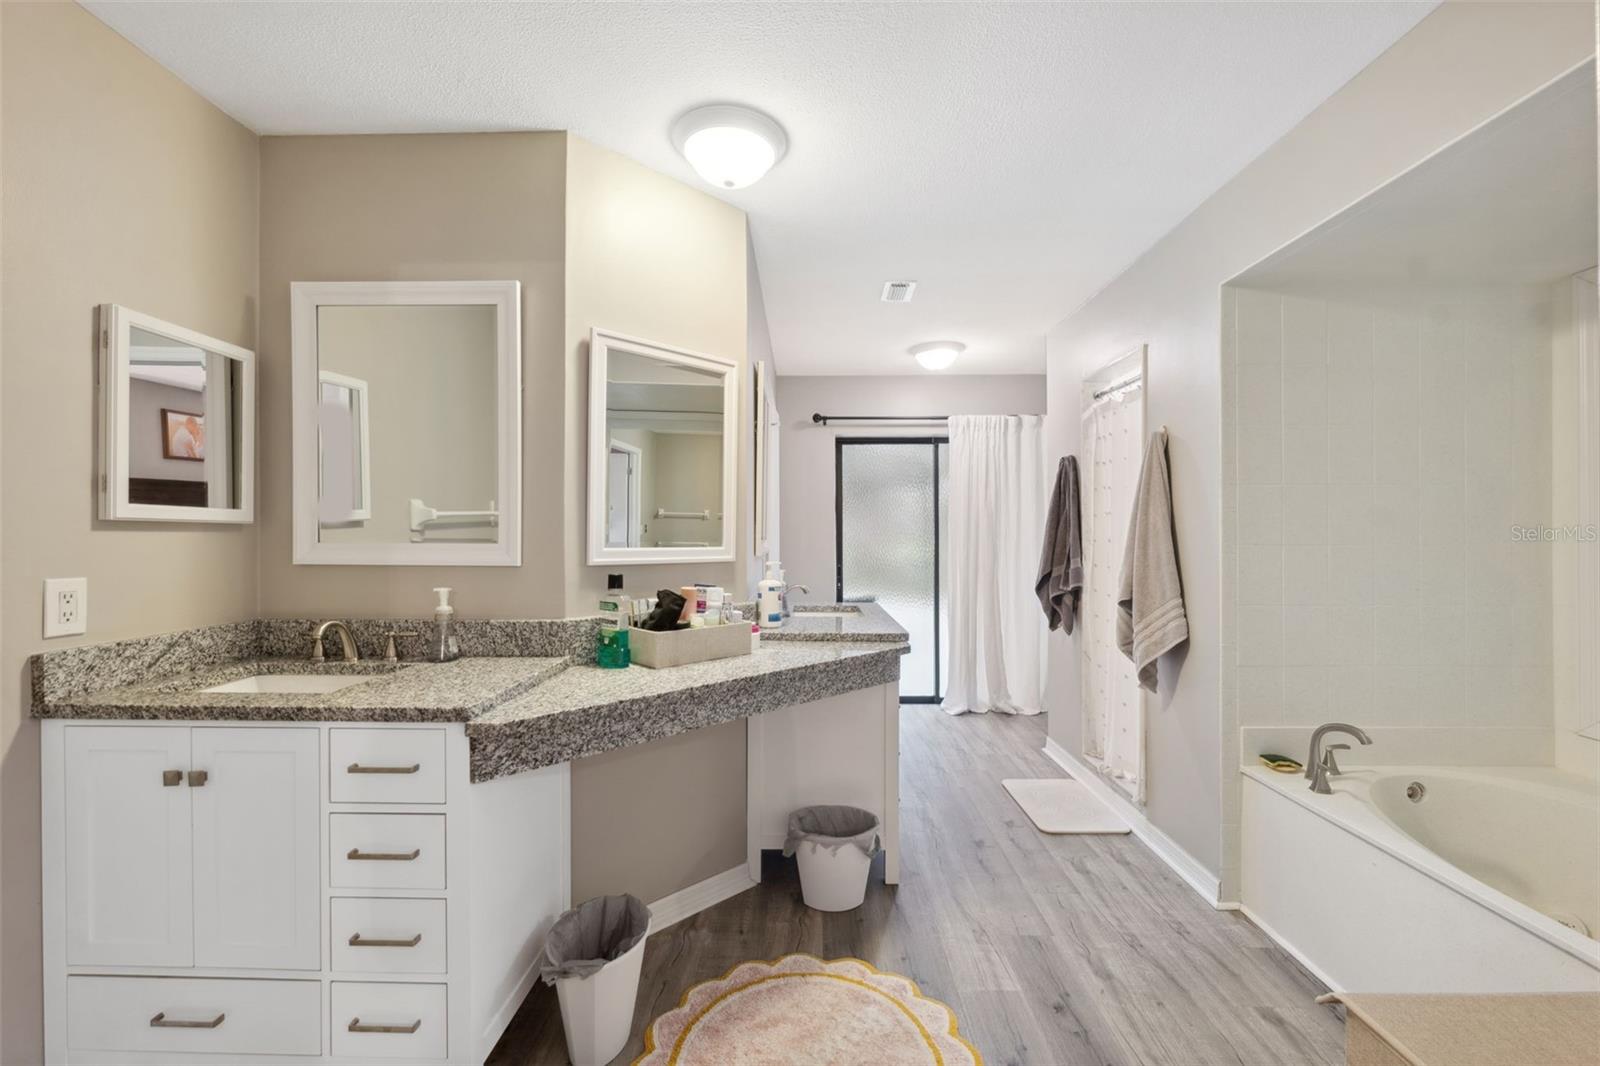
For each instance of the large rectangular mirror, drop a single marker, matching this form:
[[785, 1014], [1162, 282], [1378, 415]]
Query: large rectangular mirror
[[407, 423], [177, 422], [662, 432]]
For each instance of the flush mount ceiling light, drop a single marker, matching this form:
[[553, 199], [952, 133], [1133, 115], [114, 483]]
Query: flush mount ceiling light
[[937, 355], [728, 145]]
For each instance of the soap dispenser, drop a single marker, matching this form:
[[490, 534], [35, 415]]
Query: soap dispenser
[[445, 648]]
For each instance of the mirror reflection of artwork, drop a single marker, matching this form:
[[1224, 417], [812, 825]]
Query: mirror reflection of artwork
[[407, 395], [177, 428], [664, 425], [183, 435]]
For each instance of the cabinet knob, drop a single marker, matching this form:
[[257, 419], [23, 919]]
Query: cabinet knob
[[197, 778], [170, 778]]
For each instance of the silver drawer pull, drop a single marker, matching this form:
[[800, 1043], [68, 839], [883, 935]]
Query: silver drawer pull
[[161, 1021], [358, 855], [357, 768], [357, 942], [357, 1027]]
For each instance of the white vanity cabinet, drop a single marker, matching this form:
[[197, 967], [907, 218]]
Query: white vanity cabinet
[[285, 891]]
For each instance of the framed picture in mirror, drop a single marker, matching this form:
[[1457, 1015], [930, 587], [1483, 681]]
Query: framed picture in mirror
[[177, 422]]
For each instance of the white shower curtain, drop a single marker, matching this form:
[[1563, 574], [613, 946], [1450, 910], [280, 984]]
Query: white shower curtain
[[997, 509]]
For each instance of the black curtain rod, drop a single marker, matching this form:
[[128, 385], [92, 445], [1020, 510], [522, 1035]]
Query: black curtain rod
[[823, 420]]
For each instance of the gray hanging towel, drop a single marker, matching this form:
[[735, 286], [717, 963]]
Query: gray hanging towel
[[1060, 580], [1150, 617]]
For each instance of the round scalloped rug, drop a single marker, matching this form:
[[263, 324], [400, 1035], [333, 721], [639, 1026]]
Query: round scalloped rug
[[804, 1011]]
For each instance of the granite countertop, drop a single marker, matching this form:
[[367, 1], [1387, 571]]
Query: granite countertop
[[585, 710], [841, 622], [521, 712], [398, 692]]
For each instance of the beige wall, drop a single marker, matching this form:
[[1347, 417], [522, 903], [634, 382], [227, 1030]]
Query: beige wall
[[121, 186], [417, 208], [650, 257], [1461, 65], [808, 539]]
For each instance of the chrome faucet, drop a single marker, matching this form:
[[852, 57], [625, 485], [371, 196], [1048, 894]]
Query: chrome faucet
[[785, 595], [347, 641], [1320, 764]]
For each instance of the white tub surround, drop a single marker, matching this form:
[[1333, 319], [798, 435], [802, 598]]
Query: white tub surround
[[1375, 892], [252, 876]]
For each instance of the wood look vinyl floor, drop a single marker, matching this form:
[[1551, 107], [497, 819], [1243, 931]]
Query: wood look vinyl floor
[[1050, 949]]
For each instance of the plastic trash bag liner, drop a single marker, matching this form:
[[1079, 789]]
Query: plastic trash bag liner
[[591, 935], [832, 827]]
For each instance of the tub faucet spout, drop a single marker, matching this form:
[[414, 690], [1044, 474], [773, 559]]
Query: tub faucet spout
[[1319, 764]]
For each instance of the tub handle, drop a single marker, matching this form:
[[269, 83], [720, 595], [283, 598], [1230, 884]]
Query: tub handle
[[1329, 763]]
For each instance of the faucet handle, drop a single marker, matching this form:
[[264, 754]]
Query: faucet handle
[[391, 654], [1329, 763]]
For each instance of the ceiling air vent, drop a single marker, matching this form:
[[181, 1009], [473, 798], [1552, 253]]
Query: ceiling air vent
[[898, 292]]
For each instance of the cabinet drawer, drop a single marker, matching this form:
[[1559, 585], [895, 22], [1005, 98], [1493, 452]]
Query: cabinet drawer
[[388, 935], [386, 765], [206, 1015], [386, 850], [388, 1021]]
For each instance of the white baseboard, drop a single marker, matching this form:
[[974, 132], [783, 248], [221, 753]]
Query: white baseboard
[[687, 902], [1168, 850], [1299, 957]]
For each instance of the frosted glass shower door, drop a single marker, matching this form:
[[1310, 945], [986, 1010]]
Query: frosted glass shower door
[[890, 506]]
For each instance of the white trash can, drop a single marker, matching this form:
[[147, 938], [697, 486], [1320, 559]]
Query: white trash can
[[834, 846], [593, 956]]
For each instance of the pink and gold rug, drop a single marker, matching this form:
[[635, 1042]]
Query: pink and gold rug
[[804, 1011]]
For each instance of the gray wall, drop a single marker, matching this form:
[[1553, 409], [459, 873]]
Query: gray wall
[[807, 451], [121, 186], [1458, 67]]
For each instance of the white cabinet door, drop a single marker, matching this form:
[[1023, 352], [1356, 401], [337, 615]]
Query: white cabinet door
[[127, 846], [256, 847]]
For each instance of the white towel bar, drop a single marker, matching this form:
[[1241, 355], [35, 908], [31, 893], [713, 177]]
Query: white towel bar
[[422, 515], [701, 516]]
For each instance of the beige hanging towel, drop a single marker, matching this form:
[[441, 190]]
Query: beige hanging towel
[[1150, 616]]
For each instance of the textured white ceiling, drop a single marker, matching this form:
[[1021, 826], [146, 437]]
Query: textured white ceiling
[[1010, 158]]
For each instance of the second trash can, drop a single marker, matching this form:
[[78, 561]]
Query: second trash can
[[834, 846], [592, 956]]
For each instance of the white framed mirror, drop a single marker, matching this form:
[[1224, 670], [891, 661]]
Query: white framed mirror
[[407, 423], [177, 423], [662, 453]]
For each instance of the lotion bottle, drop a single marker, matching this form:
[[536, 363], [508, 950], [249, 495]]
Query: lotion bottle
[[769, 611]]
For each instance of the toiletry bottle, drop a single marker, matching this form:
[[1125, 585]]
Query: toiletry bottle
[[615, 617], [714, 606], [445, 648], [769, 611]]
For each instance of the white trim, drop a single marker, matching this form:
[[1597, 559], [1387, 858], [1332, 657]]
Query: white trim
[[687, 902], [600, 343], [1295, 953], [1186, 866], [116, 340], [1586, 313], [506, 298], [635, 488]]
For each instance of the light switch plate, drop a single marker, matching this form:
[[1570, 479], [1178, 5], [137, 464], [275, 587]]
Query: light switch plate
[[66, 606]]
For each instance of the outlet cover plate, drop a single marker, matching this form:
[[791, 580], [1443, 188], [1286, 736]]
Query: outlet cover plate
[[66, 606]]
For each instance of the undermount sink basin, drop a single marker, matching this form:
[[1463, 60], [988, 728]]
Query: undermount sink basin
[[301, 683]]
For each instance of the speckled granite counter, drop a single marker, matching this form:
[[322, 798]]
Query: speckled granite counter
[[521, 712], [405, 692], [839, 623], [586, 710]]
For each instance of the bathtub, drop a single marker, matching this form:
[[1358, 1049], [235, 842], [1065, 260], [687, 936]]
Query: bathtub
[[1427, 878]]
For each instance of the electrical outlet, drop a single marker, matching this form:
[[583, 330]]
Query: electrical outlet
[[66, 606]]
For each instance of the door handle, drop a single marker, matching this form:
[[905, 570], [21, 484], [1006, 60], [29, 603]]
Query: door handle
[[357, 768], [357, 1027], [170, 778], [358, 855], [161, 1021], [357, 942], [198, 778]]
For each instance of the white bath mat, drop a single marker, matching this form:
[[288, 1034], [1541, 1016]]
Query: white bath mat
[[1062, 805]]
